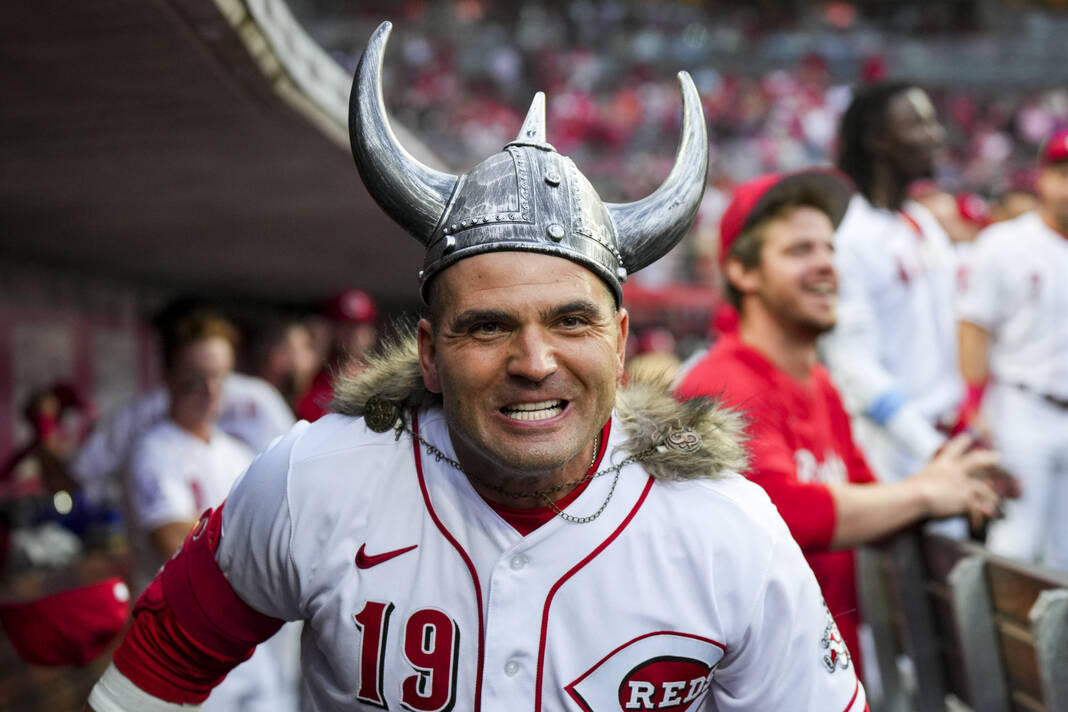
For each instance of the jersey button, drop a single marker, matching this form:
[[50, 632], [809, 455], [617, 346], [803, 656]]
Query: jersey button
[[511, 668], [518, 562]]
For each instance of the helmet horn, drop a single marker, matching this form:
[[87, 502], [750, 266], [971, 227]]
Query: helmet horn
[[413, 194], [648, 228]]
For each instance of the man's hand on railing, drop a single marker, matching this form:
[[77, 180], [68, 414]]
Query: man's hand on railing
[[962, 479]]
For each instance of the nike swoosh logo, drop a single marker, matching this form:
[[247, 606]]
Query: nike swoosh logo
[[366, 561]]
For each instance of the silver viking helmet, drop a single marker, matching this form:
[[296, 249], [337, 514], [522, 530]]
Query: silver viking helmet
[[527, 197]]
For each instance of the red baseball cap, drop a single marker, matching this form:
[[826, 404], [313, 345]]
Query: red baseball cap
[[1055, 149], [826, 188], [68, 628], [973, 209], [352, 305]]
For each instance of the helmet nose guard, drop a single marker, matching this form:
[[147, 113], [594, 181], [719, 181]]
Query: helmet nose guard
[[527, 197]]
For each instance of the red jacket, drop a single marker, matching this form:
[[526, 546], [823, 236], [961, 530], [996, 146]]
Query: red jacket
[[800, 441]]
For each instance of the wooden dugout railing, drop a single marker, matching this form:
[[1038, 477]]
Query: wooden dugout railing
[[957, 627]]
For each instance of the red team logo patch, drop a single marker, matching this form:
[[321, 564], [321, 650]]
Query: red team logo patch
[[657, 671], [835, 653], [664, 684]]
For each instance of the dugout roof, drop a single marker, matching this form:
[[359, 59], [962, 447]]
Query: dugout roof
[[167, 143]]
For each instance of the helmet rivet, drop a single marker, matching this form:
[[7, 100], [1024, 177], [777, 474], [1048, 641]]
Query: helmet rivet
[[556, 232], [621, 272], [552, 178], [450, 244], [420, 274]]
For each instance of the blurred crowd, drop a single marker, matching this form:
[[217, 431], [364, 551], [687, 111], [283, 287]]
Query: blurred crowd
[[774, 81], [774, 78]]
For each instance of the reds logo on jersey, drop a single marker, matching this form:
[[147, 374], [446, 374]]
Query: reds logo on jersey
[[657, 671], [832, 469], [835, 652]]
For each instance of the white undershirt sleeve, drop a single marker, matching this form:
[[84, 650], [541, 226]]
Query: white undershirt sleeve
[[114, 692]]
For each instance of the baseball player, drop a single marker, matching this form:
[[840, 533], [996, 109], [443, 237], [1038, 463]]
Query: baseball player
[[252, 411], [486, 524], [185, 464], [777, 248], [893, 351], [1013, 311], [352, 314]]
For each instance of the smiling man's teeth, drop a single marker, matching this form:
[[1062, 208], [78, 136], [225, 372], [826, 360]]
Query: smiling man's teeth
[[542, 410]]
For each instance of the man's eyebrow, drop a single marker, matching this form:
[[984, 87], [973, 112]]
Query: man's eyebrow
[[585, 307], [466, 319]]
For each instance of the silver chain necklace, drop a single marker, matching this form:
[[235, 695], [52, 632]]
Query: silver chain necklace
[[543, 494]]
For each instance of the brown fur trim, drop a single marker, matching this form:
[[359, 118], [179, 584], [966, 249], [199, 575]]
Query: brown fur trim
[[647, 413], [392, 373]]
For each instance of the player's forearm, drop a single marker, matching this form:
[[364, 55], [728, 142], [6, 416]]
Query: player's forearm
[[973, 343], [167, 538], [867, 512]]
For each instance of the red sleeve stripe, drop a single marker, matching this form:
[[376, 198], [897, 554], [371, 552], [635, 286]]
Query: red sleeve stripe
[[163, 660], [203, 601]]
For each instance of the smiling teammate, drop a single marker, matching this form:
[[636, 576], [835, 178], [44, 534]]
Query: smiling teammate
[[778, 254], [488, 523]]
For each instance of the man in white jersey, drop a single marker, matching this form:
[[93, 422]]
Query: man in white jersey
[[893, 352], [1013, 311], [486, 523], [185, 464], [252, 411]]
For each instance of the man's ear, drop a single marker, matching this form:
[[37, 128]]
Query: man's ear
[[743, 279], [623, 324], [427, 352]]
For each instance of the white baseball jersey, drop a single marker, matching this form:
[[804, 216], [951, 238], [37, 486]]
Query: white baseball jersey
[[173, 477], [893, 352], [253, 411], [1014, 286], [418, 596]]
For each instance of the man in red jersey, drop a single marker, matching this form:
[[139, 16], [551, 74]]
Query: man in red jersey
[[777, 251]]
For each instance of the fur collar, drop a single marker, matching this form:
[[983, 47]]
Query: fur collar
[[691, 440]]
